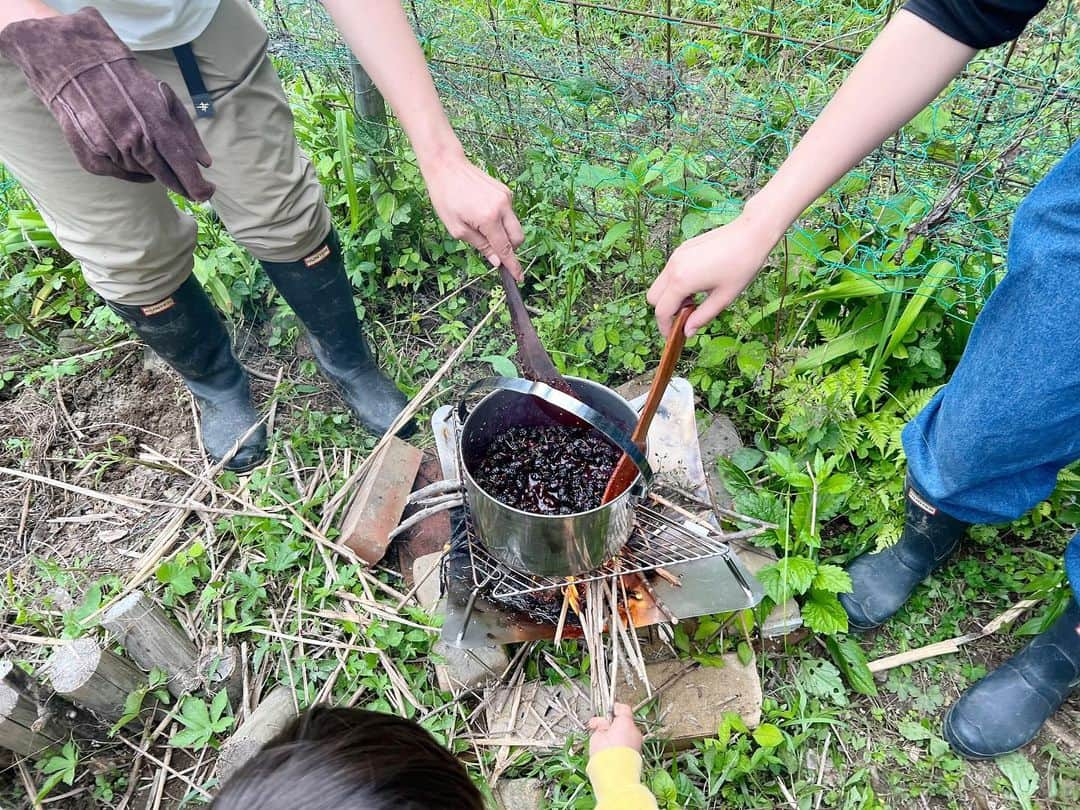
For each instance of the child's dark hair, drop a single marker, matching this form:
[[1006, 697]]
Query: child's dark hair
[[351, 759]]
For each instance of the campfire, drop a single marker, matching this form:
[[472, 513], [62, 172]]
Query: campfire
[[678, 561]]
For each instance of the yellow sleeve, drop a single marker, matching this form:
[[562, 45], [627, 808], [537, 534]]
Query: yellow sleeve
[[615, 774]]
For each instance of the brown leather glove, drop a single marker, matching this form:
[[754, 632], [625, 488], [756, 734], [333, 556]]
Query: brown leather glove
[[119, 119]]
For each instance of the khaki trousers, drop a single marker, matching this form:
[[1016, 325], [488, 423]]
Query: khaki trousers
[[134, 245]]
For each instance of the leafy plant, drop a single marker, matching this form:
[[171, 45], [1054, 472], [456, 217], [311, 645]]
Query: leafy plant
[[201, 722], [1021, 776], [59, 768], [133, 703]]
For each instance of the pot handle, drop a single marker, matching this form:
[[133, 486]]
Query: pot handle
[[575, 407]]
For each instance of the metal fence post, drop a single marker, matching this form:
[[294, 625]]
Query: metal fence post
[[373, 131]]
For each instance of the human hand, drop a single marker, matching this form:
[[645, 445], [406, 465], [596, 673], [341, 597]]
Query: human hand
[[720, 263], [476, 208], [622, 732], [14, 10]]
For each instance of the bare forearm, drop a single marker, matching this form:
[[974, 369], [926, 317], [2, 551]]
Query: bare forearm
[[904, 69], [382, 39], [15, 10]]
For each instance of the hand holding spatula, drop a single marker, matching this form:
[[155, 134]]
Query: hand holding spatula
[[626, 471], [536, 363]]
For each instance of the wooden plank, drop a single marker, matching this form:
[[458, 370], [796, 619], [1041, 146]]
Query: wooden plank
[[269, 719], [22, 728]]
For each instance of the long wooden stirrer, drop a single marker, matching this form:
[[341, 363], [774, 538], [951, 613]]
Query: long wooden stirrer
[[536, 363], [626, 471]]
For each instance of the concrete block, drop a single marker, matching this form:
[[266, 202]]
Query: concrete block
[[520, 794], [693, 699], [467, 670], [375, 510], [425, 570]]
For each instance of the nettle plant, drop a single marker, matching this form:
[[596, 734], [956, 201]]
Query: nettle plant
[[814, 492]]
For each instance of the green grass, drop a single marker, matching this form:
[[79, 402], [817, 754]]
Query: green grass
[[820, 364]]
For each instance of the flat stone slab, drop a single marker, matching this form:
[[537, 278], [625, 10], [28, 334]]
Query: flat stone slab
[[425, 571], [466, 670], [520, 794], [691, 701], [719, 440], [783, 619], [536, 715], [461, 669], [690, 708]]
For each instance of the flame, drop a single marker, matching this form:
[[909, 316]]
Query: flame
[[571, 594]]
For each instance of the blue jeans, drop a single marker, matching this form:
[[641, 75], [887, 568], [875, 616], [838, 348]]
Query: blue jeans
[[989, 446]]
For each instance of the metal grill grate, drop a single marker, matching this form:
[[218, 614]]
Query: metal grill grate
[[658, 541]]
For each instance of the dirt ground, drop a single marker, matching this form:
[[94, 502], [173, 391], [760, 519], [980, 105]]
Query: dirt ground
[[122, 428]]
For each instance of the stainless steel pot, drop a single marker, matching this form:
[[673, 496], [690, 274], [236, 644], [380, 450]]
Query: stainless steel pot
[[548, 545]]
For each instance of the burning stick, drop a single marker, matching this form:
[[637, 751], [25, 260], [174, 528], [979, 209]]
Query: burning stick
[[668, 577], [671, 617], [570, 599]]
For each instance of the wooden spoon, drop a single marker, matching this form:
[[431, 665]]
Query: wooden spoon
[[626, 471], [536, 363]]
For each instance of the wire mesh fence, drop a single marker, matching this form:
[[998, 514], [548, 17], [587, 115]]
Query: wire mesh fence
[[676, 110], [669, 113]]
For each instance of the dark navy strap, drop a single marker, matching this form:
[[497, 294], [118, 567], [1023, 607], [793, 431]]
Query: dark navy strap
[[189, 67]]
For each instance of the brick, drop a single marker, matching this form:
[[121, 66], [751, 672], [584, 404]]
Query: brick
[[376, 508], [432, 533]]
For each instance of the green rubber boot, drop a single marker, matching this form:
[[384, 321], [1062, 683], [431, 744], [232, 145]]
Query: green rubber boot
[[320, 294], [187, 333]]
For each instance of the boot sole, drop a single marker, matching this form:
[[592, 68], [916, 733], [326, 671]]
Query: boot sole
[[243, 468]]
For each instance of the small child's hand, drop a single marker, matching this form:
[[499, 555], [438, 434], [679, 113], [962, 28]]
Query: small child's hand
[[618, 733]]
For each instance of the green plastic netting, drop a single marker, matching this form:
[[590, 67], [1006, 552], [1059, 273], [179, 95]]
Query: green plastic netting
[[709, 97]]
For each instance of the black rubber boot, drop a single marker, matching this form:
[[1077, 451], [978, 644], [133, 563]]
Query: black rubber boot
[[320, 294], [882, 582], [1005, 710], [187, 333]]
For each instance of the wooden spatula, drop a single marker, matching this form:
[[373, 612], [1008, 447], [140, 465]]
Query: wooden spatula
[[535, 362], [625, 471]]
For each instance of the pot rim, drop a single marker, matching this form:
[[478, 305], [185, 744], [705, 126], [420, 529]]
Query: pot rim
[[629, 492]]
